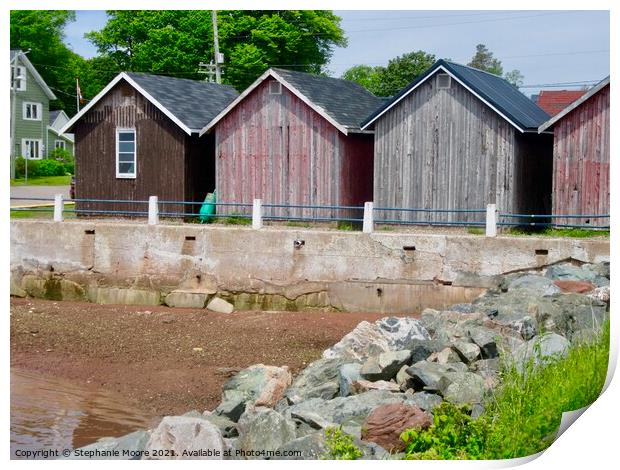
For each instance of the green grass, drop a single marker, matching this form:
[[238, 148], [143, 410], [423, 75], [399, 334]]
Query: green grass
[[523, 416], [43, 181], [476, 231], [294, 223], [41, 213], [558, 232], [234, 218]]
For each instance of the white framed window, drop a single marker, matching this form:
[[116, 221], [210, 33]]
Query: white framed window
[[18, 83], [60, 144], [32, 111], [126, 153], [32, 149]]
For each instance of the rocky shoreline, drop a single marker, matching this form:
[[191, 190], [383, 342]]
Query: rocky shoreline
[[385, 377]]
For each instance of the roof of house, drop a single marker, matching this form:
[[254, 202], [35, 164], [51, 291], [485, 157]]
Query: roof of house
[[586, 96], [188, 103], [343, 103], [17, 54], [554, 101], [501, 96]]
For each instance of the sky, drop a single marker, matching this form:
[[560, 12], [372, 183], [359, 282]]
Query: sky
[[548, 47]]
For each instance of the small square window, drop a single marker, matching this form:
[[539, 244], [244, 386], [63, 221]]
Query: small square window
[[275, 87], [443, 81], [59, 144]]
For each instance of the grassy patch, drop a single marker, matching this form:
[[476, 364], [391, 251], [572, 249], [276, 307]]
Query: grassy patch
[[235, 218], [476, 230], [43, 181], [41, 213], [294, 223], [558, 232], [523, 416]]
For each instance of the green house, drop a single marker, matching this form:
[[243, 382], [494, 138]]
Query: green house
[[57, 119], [31, 136]]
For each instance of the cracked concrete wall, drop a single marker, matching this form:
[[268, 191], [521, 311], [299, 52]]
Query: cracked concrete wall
[[239, 259]]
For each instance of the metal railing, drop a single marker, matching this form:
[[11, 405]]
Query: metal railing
[[257, 212]]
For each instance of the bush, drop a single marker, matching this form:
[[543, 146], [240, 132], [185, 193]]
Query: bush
[[340, 446], [61, 155], [49, 168], [20, 167]]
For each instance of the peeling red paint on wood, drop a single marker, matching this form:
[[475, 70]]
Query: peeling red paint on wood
[[278, 149], [581, 154]]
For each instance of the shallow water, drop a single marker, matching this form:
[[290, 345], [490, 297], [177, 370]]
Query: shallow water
[[48, 413]]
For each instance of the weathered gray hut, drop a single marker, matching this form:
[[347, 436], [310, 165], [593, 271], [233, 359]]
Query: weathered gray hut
[[460, 138]]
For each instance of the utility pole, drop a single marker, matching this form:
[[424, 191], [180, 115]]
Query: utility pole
[[216, 45]]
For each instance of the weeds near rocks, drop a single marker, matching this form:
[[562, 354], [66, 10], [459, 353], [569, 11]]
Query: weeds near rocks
[[524, 414], [340, 446]]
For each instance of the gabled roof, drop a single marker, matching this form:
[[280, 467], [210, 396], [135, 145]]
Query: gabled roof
[[69, 137], [341, 102], [190, 104], [591, 92], [505, 99], [23, 60], [554, 101], [54, 115]]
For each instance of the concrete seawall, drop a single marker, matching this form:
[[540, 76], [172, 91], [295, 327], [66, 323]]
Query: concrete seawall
[[117, 262]]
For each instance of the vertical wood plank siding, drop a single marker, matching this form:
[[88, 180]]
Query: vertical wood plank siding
[[446, 149], [581, 160], [276, 148], [165, 162]]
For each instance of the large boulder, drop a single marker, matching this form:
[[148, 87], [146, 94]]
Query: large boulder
[[319, 380], [445, 356], [385, 365], [538, 285], [386, 423], [128, 447], [340, 410], [421, 349], [569, 272], [266, 431], [468, 352], [426, 375], [309, 447], [462, 387], [258, 384], [485, 339], [540, 350], [371, 339], [361, 386], [185, 437], [347, 374], [575, 287]]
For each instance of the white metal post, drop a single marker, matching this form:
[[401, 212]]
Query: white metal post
[[491, 220], [257, 214], [368, 225], [153, 211], [58, 207]]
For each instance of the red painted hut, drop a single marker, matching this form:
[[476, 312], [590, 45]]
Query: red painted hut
[[294, 138], [581, 157]]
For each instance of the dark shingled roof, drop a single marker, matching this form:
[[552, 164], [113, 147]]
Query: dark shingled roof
[[192, 102], [344, 101], [53, 116], [500, 94]]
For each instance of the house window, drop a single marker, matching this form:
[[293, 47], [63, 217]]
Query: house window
[[18, 83], [32, 111], [443, 81], [32, 149], [125, 153], [275, 87], [59, 144]]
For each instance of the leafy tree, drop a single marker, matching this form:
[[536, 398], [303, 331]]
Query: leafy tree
[[174, 42], [387, 81], [515, 77], [484, 60], [41, 31]]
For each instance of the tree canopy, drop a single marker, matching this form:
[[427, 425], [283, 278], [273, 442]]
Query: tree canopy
[[174, 42], [389, 80], [483, 60]]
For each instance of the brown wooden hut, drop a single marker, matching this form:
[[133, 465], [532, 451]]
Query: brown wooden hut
[[294, 138], [460, 138], [581, 158], [139, 137]]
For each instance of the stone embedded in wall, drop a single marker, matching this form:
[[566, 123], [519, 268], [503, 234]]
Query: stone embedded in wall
[[187, 299], [123, 296]]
